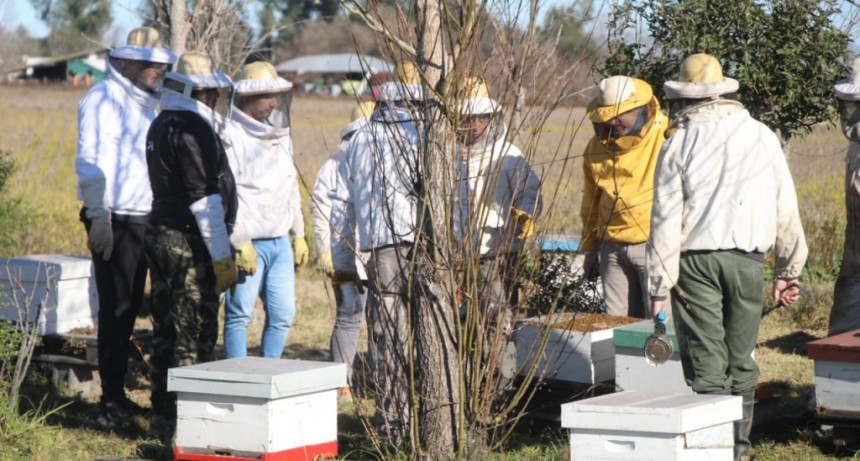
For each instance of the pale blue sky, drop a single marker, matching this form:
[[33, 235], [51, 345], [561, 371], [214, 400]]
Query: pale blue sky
[[21, 12]]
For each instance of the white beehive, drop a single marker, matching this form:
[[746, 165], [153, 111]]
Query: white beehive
[[252, 405], [64, 287], [633, 373], [635, 426], [576, 347], [837, 374]]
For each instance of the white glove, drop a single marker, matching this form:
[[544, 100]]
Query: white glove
[[100, 237]]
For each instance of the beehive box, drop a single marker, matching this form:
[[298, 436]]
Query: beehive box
[[286, 409], [837, 374], [64, 286], [636, 426], [633, 373], [574, 348]]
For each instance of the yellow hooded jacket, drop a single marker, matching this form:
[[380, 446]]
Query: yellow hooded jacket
[[619, 183]]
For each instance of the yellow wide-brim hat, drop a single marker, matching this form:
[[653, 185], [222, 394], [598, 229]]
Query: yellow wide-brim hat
[[261, 78], [700, 77], [197, 70], [359, 117], [144, 44]]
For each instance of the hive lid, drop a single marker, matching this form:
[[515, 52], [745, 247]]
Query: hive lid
[[844, 347], [257, 377], [39, 267], [635, 334], [563, 243], [643, 412]]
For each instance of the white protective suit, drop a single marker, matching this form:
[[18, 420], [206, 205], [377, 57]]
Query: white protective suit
[[749, 208], [321, 202], [494, 177], [845, 313], [267, 183], [113, 119], [374, 195]]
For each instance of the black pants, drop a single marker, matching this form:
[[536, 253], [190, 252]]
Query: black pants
[[120, 284]]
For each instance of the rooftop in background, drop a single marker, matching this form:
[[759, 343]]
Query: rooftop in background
[[335, 64]]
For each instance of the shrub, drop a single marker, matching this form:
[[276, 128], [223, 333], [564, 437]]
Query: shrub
[[15, 218]]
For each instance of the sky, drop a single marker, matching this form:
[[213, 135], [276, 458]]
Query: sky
[[20, 12]]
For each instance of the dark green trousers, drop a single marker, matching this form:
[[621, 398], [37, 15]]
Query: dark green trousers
[[717, 327]]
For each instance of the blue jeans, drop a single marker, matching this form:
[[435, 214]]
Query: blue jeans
[[275, 282]]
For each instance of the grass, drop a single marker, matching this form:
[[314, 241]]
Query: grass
[[38, 124]]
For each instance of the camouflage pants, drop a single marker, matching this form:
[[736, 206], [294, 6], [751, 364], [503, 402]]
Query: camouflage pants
[[184, 308]]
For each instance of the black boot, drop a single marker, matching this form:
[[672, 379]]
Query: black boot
[[743, 447]]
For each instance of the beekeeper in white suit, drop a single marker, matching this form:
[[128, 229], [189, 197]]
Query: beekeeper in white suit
[[845, 315], [269, 236], [113, 184], [499, 198], [375, 200], [723, 197], [350, 297]]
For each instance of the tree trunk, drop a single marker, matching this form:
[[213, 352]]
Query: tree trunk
[[437, 370], [178, 26]]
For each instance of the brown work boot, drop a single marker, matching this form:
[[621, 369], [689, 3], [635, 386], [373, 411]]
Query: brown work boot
[[344, 394]]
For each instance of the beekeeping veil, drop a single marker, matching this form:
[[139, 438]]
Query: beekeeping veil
[[197, 86], [264, 96], [848, 100]]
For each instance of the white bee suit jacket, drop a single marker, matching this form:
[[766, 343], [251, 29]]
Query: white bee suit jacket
[[321, 208], [493, 178], [267, 183], [113, 119], [722, 183], [375, 189]]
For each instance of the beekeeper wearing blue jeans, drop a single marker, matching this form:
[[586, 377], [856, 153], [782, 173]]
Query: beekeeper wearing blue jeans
[[269, 236]]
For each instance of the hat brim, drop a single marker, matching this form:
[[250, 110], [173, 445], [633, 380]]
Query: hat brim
[[142, 53], [847, 90], [686, 90], [602, 114], [477, 106], [394, 91], [272, 85], [216, 80]]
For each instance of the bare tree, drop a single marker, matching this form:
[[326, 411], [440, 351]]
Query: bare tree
[[463, 396], [215, 26]]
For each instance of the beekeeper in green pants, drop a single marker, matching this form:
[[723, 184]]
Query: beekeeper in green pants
[[723, 195]]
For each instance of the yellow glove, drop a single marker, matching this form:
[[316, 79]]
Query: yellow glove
[[225, 274], [300, 251], [525, 223], [246, 258], [339, 277], [326, 263]]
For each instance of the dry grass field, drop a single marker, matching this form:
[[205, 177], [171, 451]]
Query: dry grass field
[[38, 127]]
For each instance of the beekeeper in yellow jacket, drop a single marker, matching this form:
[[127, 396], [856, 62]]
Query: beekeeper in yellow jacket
[[618, 166]]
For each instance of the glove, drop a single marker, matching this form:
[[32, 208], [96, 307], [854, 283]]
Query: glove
[[340, 277], [525, 223], [246, 258], [300, 251], [225, 274], [591, 267], [100, 237], [326, 263]]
